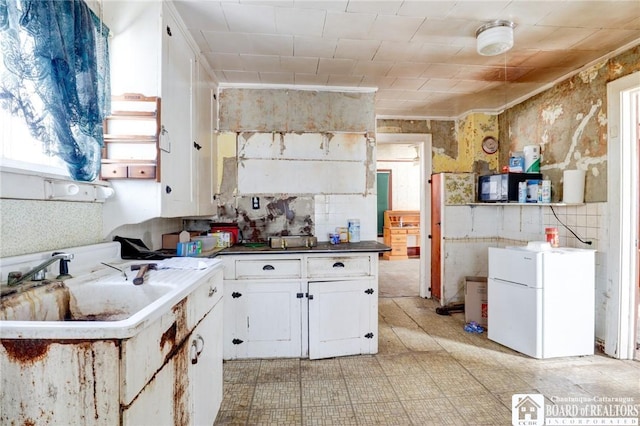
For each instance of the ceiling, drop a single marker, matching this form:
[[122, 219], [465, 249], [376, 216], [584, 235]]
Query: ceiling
[[419, 55]]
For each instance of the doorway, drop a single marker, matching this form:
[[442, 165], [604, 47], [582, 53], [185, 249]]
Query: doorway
[[417, 154], [621, 333], [384, 186]]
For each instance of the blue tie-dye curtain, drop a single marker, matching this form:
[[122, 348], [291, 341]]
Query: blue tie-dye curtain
[[55, 75]]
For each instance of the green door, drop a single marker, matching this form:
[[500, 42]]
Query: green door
[[384, 196]]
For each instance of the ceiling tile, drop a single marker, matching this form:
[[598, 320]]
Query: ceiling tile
[[601, 39], [407, 69], [375, 6], [397, 51], [276, 77], [356, 49], [469, 86], [299, 64], [201, 15], [300, 21], [348, 25], [380, 82], [335, 66], [396, 28], [221, 61], [242, 77], [373, 68], [478, 10], [564, 38], [221, 42], [314, 46], [344, 80], [438, 85], [408, 83], [339, 6], [528, 12], [589, 14], [260, 63], [432, 9], [311, 79], [441, 71], [447, 32], [269, 44], [249, 18]]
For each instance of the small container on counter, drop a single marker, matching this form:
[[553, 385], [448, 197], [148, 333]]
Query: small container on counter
[[343, 232], [334, 238], [545, 192], [354, 230], [552, 236], [522, 192]]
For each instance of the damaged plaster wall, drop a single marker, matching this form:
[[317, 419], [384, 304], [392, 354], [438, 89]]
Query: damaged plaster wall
[[569, 122], [456, 144], [306, 157]]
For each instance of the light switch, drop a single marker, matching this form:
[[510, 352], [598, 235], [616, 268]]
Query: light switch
[[255, 202]]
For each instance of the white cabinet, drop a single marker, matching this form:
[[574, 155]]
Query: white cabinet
[[263, 320], [167, 66], [181, 383], [292, 305]]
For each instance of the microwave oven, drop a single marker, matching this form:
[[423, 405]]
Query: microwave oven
[[502, 187]]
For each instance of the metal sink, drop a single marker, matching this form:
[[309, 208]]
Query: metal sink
[[293, 241]]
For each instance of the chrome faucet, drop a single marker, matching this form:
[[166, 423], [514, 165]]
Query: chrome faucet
[[38, 273]]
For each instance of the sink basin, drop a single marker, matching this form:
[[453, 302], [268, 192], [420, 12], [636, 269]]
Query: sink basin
[[107, 300], [98, 305]]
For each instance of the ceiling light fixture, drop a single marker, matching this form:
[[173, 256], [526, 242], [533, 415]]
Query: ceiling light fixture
[[495, 37]]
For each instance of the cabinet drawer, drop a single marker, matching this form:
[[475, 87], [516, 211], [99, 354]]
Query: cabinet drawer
[[398, 238], [142, 172], [269, 268], [111, 171], [413, 231], [336, 266], [204, 298]]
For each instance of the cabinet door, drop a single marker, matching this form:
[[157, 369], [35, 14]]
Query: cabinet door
[[176, 140], [204, 124], [205, 372], [342, 318], [262, 319]]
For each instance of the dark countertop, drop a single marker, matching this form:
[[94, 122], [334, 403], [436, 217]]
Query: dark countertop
[[322, 247]]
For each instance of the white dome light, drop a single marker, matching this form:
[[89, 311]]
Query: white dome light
[[495, 37]]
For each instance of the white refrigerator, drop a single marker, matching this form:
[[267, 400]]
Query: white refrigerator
[[541, 302]]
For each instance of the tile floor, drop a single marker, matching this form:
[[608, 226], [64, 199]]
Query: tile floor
[[428, 371]]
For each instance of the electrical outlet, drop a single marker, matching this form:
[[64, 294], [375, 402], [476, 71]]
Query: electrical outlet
[[255, 203]]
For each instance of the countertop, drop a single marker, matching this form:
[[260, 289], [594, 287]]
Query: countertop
[[322, 247]]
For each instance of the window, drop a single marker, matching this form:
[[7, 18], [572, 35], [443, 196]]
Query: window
[[54, 90]]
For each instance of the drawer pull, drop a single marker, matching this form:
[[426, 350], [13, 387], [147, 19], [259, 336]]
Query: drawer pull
[[235, 294], [268, 268], [237, 341], [338, 265], [369, 291], [212, 291]]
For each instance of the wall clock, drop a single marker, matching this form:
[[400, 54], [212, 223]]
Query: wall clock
[[490, 145]]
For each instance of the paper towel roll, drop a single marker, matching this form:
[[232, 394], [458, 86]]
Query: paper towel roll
[[573, 186]]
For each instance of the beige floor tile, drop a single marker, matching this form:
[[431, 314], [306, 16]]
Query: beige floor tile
[[438, 361], [279, 370], [360, 366], [275, 417], [481, 410], [432, 411], [389, 342], [232, 417], [325, 392], [497, 381], [338, 415], [370, 389], [458, 383], [241, 371], [385, 413], [237, 396], [320, 369], [417, 386], [400, 364], [416, 339], [277, 395]]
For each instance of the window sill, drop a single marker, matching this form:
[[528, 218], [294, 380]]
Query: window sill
[[32, 185]]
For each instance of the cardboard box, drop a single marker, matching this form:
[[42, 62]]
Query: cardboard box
[[170, 241], [475, 300]]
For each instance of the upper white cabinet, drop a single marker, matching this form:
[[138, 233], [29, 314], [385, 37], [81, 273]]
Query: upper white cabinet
[[307, 163], [151, 53]]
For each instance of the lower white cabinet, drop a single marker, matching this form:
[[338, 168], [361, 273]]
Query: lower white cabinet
[[187, 389], [300, 305], [342, 318]]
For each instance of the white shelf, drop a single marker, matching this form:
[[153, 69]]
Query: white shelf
[[527, 204]]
